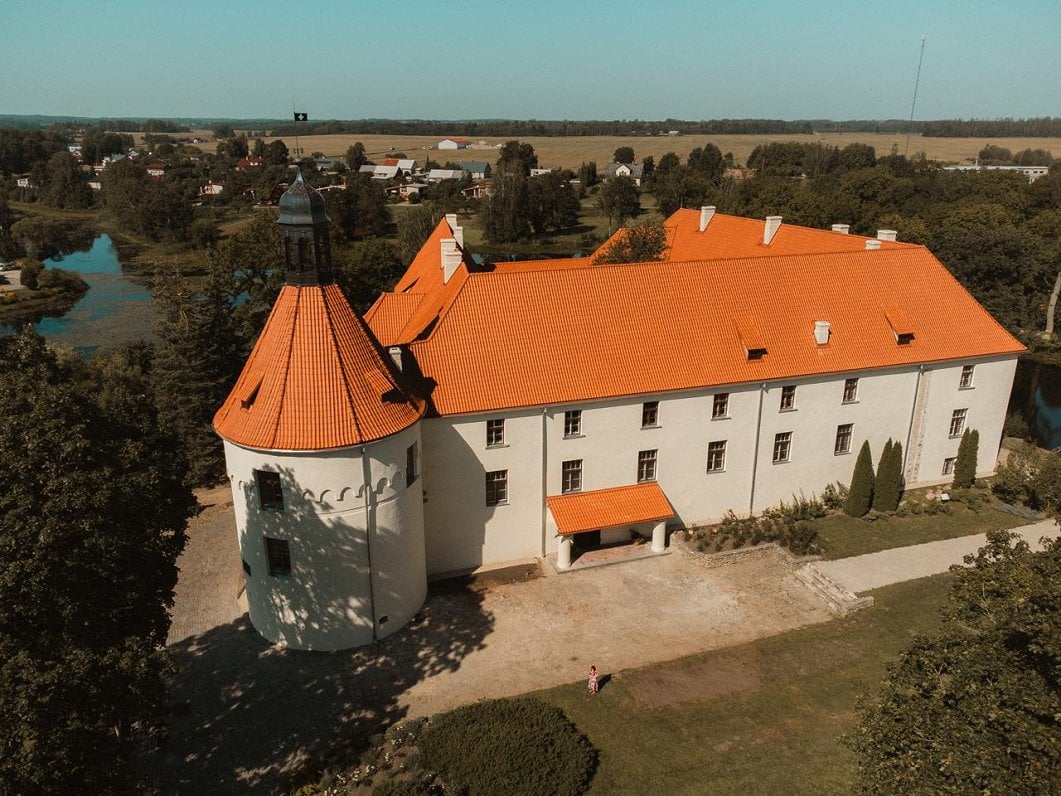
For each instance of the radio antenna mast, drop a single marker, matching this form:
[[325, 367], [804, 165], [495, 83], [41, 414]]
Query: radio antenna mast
[[917, 82]]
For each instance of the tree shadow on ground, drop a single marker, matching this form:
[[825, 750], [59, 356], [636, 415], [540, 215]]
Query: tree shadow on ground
[[248, 714]]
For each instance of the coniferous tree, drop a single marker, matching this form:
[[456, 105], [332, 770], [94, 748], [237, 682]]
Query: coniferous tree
[[886, 485], [897, 474], [965, 465], [860, 495]]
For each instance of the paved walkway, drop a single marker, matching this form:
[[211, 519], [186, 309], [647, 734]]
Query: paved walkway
[[873, 570]]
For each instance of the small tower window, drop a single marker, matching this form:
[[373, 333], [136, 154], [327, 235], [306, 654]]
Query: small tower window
[[279, 552], [270, 490]]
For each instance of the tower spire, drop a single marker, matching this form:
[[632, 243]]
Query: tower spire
[[304, 227]]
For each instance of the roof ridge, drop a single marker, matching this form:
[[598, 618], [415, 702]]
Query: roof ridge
[[287, 361], [342, 365]]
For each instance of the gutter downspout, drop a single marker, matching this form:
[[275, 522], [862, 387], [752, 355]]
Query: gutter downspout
[[370, 528], [545, 473], [755, 457], [913, 414]]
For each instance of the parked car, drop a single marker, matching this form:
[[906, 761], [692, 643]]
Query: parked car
[[8, 267]]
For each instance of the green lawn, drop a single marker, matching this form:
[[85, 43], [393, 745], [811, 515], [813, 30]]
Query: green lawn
[[841, 536], [765, 717]]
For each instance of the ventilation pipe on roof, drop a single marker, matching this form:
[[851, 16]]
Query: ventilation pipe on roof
[[872, 245], [886, 234], [821, 332], [451, 258], [773, 224], [843, 229], [706, 213]]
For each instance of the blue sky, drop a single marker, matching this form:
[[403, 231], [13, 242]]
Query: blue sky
[[545, 60]]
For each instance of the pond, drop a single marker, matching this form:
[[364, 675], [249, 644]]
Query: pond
[[115, 310], [1037, 398]]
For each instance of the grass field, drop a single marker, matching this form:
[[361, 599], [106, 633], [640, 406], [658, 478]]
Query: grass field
[[841, 536], [569, 152], [764, 717]]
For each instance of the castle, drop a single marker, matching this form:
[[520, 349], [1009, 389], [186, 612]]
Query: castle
[[479, 415]]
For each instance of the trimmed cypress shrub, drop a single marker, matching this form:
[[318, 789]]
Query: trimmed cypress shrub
[[965, 465], [882, 486], [860, 495], [897, 472]]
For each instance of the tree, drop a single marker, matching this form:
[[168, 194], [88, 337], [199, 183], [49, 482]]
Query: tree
[[372, 267], [619, 200], [860, 495], [516, 158], [707, 161], [253, 260], [973, 707], [624, 154], [92, 519], [587, 175], [642, 243], [414, 228], [965, 464], [275, 153], [887, 487], [199, 356], [506, 214], [63, 184], [355, 156], [551, 203]]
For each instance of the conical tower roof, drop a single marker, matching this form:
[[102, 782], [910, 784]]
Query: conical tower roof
[[317, 379]]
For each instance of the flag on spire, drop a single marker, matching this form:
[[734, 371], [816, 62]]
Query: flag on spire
[[301, 116]]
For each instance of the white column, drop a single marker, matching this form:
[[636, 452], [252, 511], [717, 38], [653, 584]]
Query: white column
[[659, 537], [563, 555]]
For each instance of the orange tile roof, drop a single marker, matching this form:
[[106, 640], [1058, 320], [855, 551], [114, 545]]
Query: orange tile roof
[[389, 315], [609, 508], [542, 265], [733, 236], [424, 274], [532, 338], [315, 380]]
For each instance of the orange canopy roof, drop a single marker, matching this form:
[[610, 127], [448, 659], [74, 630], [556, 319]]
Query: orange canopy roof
[[609, 508], [315, 380], [533, 338]]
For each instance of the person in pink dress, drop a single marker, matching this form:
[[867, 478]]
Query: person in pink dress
[[593, 687]]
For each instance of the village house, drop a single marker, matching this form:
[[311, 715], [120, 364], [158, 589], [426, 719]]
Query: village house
[[454, 143], [157, 170], [635, 171], [480, 416], [478, 169]]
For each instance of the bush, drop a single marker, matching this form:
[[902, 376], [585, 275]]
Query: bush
[[887, 489], [1016, 426], [31, 271], [834, 496], [860, 497], [965, 465], [510, 746]]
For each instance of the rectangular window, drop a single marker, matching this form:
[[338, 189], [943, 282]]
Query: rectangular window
[[957, 422], [571, 476], [782, 446], [496, 487], [948, 465], [788, 397], [649, 414], [412, 468], [843, 439], [495, 432], [720, 408], [270, 492], [279, 552], [646, 466], [716, 456], [850, 391], [573, 423], [966, 382]]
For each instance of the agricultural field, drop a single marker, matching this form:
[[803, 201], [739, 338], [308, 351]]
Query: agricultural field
[[569, 152]]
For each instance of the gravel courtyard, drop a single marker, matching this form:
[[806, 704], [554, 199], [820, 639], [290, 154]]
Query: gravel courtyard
[[247, 713]]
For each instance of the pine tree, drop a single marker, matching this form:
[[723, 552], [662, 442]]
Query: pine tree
[[897, 474], [965, 465], [860, 496]]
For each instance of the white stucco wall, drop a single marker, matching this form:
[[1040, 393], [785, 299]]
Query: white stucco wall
[[463, 533], [329, 601], [940, 394]]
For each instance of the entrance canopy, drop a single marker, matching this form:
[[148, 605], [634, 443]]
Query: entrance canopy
[[609, 508]]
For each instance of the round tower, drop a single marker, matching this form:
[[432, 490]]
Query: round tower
[[322, 446]]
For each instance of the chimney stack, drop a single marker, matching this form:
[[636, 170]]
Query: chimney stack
[[872, 245], [451, 219], [706, 214], [886, 234], [843, 229], [451, 258], [821, 332], [773, 224], [396, 355]]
